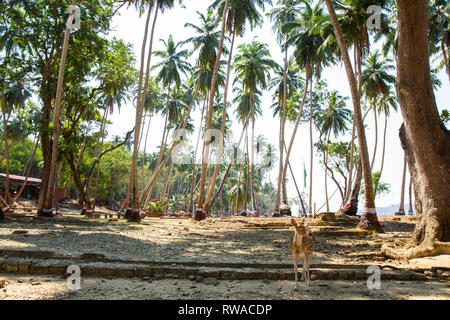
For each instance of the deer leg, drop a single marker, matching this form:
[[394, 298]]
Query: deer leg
[[304, 268], [294, 259], [307, 259]]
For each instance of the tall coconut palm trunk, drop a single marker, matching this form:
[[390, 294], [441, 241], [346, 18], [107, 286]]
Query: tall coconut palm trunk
[[194, 164], [132, 197], [27, 169], [281, 182], [369, 218], [7, 147], [222, 129], [401, 209], [200, 214], [297, 122], [311, 146], [47, 208], [376, 135]]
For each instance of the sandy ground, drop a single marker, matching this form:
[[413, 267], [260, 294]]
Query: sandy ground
[[236, 240], [49, 288]]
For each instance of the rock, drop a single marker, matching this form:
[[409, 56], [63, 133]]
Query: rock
[[198, 278], [35, 283], [20, 232], [212, 281], [191, 277], [446, 273], [428, 273], [146, 278]]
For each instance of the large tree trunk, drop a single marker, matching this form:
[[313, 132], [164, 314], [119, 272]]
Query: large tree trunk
[[369, 218], [424, 138]]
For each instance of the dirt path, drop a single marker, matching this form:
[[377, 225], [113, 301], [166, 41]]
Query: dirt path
[[44, 287], [246, 241]]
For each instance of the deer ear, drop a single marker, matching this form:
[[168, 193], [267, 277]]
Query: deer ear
[[293, 222]]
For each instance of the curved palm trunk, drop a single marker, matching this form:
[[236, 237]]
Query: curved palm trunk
[[145, 149], [376, 135], [98, 151], [200, 214], [194, 167], [384, 145], [295, 183], [222, 129], [369, 218], [28, 170], [297, 122], [411, 210], [311, 145], [47, 209], [133, 198], [401, 209], [149, 187], [352, 161], [225, 176], [252, 160], [444, 53], [281, 182], [326, 174], [7, 147]]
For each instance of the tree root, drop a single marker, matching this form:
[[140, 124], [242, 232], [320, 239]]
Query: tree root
[[370, 226], [425, 249]]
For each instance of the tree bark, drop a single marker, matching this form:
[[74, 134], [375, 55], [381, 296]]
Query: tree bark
[[222, 129], [209, 114], [369, 218], [424, 138], [47, 209], [131, 200], [401, 209]]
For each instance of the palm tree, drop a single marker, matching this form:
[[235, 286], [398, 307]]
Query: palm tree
[[252, 66], [377, 83], [200, 213], [312, 53], [334, 120], [239, 13], [46, 207], [387, 103], [285, 12], [439, 31], [369, 218], [159, 5], [207, 43], [171, 67]]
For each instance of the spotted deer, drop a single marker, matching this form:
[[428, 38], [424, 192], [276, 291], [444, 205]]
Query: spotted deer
[[301, 246]]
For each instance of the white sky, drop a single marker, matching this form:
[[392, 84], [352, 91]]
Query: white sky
[[129, 27]]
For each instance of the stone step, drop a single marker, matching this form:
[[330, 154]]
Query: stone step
[[124, 270], [95, 257]]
